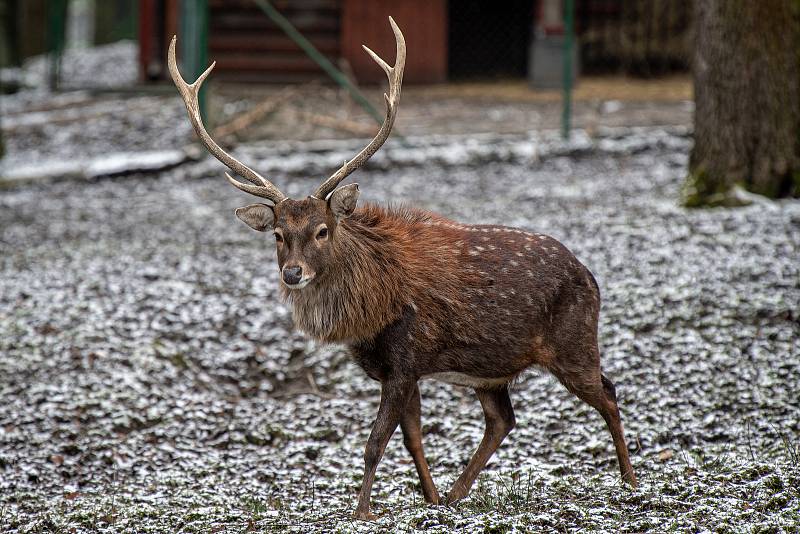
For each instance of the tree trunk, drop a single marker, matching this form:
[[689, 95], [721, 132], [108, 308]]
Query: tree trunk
[[746, 70]]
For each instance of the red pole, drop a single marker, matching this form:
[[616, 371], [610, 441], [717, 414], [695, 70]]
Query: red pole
[[147, 36]]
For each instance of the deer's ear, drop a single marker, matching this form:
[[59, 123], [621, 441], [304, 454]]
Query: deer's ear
[[257, 216], [342, 202]]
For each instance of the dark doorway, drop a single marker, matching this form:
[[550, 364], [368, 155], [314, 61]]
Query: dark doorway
[[488, 38]]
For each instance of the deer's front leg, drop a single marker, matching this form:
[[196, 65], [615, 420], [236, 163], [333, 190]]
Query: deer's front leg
[[412, 439], [395, 394]]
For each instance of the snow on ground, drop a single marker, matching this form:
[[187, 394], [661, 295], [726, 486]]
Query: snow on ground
[[105, 66], [151, 380]]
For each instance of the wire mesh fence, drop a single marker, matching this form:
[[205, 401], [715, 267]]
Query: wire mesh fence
[[634, 37], [639, 37], [467, 39]]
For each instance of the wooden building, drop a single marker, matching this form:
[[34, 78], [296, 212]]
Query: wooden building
[[249, 47], [447, 40]]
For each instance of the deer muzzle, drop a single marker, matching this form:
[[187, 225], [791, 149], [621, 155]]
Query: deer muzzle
[[295, 277]]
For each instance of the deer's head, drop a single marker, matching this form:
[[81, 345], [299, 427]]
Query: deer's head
[[304, 230]]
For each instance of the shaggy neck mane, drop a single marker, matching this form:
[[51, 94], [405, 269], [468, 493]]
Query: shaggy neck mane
[[365, 286]]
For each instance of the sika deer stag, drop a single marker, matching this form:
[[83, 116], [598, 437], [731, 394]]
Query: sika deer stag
[[415, 295]]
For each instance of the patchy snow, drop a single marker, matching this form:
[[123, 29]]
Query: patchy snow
[[318, 157], [151, 379], [125, 162], [103, 66], [12, 173], [107, 165]]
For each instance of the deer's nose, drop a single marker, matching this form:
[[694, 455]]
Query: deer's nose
[[292, 275]]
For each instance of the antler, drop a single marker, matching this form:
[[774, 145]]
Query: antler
[[395, 75], [263, 188]]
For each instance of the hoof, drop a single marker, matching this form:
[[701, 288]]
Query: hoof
[[630, 478], [433, 499], [453, 497], [365, 516]]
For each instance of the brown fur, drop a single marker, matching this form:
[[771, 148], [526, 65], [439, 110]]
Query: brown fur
[[458, 279], [414, 294]]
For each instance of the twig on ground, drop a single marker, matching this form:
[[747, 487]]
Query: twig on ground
[[312, 382], [247, 118], [336, 123]]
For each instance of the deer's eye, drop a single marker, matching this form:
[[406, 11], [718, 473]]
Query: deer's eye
[[323, 233], [278, 237]]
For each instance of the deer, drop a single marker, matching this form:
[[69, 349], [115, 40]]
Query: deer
[[415, 295]]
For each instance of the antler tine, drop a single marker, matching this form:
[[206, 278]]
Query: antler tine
[[189, 92], [395, 76]]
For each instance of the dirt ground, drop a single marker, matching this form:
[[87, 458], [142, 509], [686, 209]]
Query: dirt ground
[[504, 107], [43, 128], [152, 380]]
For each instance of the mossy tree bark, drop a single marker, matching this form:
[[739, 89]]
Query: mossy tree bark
[[746, 70]]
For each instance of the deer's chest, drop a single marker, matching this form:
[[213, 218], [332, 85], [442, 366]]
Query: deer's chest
[[389, 352]]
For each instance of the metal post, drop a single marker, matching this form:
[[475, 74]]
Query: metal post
[[194, 43], [10, 29], [569, 39], [56, 30], [320, 59]]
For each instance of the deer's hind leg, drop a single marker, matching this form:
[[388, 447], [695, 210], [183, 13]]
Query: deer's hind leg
[[500, 421], [583, 378]]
